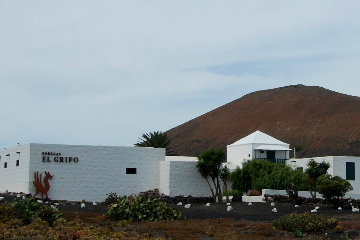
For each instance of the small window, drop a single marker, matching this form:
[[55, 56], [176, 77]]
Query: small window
[[350, 171], [130, 170], [261, 151], [249, 155], [5, 164], [17, 163]]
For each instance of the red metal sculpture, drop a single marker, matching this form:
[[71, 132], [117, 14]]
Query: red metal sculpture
[[38, 184]]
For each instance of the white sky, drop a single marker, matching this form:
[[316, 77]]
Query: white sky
[[105, 72]]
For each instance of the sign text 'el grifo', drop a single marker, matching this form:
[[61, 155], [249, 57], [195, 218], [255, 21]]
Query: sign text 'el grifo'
[[56, 157]]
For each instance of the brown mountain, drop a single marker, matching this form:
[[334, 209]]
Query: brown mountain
[[318, 121]]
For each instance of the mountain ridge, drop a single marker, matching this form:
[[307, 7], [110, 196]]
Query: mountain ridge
[[316, 120]]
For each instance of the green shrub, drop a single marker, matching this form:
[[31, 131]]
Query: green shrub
[[6, 213], [111, 198], [259, 174], [233, 193], [305, 222], [28, 210], [137, 209]]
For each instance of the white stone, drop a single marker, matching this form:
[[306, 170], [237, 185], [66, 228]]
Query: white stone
[[40, 201], [317, 207], [249, 203], [187, 205], [179, 204], [296, 205], [228, 204], [229, 208], [314, 211], [18, 195], [208, 204], [272, 204], [339, 208], [82, 205], [354, 209], [94, 203], [274, 210]]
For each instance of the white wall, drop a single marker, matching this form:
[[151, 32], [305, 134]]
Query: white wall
[[99, 170], [184, 179], [238, 154], [337, 167], [15, 178]]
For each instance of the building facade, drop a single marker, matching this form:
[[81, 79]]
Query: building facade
[[81, 172]]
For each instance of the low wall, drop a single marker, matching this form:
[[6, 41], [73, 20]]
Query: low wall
[[305, 194]]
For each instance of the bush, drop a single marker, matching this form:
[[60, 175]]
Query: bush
[[28, 210], [233, 193], [259, 174], [330, 187], [138, 209], [111, 198], [305, 222]]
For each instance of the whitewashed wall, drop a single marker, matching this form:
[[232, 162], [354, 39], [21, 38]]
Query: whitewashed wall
[[184, 178], [98, 171], [337, 167], [15, 178], [238, 154]]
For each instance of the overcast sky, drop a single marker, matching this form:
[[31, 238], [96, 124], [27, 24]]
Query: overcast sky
[[105, 72]]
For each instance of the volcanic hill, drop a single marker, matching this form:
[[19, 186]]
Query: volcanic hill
[[315, 120]]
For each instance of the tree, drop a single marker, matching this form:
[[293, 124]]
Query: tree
[[209, 166], [258, 174], [314, 171], [224, 176], [156, 139], [330, 187]]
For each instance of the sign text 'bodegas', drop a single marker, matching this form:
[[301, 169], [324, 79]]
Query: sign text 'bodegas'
[[56, 157]]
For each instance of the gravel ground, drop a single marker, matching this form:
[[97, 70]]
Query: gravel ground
[[241, 210]]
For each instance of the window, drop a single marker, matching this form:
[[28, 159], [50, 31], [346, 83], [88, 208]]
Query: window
[[5, 164], [130, 170], [350, 171], [17, 163]]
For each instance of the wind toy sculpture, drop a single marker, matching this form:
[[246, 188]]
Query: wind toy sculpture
[[39, 188]]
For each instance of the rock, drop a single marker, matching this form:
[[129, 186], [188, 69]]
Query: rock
[[274, 210], [82, 205], [179, 203], [208, 204], [229, 208], [187, 205], [250, 203]]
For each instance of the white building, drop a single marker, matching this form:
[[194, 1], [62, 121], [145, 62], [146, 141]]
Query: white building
[[90, 172], [346, 167], [257, 145]]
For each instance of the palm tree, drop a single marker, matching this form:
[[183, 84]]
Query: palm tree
[[154, 139], [209, 166]]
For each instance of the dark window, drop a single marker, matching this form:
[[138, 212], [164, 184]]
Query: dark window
[[261, 151], [350, 171], [130, 170], [249, 155], [17, 163], [5, 164]]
